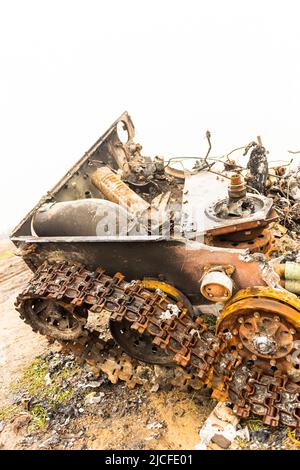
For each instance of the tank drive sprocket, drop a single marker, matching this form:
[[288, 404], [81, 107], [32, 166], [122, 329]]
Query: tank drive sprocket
[[263, 325]]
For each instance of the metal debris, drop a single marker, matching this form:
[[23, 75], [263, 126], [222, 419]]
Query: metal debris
[[257, 166]]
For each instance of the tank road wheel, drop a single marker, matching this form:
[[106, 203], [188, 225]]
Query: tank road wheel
[[50, 318], [138, 345], [263, 325]]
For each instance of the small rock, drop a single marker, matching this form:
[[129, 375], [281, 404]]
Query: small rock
[[52, 441], [68, 411], [91, 399], [219, 427], [154, 425], [47, 379], [261, 435], [244, 434], [91, 384], [20, 422], [221, 441]]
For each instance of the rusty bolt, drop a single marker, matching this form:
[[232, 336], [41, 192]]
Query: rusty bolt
[[253, 357], [241, 320], [292, 331], [256, 315]]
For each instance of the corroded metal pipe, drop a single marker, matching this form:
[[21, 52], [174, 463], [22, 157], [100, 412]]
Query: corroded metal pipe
[[115, 190]]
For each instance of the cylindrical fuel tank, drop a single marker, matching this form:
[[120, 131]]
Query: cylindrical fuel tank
[[83, 217], [115, 190]]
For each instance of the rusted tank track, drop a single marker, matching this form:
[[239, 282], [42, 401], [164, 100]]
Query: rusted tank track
[[56, 303]]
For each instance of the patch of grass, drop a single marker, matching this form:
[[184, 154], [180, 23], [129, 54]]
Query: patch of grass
[[66, 373], [63, 396], [42, 395], [7, 254], [211, 321], [45, 397], [243, 445], [33, 383], [8, 412], [38, 418], [255, 424], [33, 379]]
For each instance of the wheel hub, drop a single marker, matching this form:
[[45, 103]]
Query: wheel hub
[[264, 345], [139, 346], [265, 336], [262, 326]]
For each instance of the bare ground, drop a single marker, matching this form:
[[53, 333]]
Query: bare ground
[[18, 344]]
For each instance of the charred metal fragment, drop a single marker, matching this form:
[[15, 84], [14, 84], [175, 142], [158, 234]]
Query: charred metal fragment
[[257, 166]]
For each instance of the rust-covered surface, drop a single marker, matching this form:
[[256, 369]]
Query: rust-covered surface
[[178, 263]]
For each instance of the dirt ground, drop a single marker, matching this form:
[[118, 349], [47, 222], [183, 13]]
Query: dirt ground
[[18, 344]]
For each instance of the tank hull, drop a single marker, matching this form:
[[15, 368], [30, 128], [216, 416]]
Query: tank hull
[[179, 263]]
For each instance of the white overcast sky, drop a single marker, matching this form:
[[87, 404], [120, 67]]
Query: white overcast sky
[[68, 68]]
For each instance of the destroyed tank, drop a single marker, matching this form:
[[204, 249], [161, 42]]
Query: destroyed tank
[[130, 250]]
